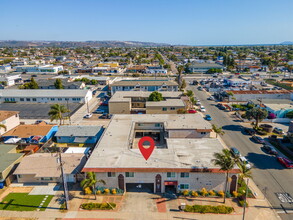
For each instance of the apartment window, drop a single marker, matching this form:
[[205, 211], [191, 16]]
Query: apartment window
[[164, 109], [46, 178], [172, 108], [129, 174], [34, 99], [171, 175], [203, 132], [184, 186], [52, 99], [59, 99], [184, 175], [111, 174], [28, 99], [157, 125], [21, 99]]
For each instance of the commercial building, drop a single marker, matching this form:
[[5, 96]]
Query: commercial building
[[44, 168], [156, 70], [279, 107], [10, 119], [10, 80], [73, 135], [5, 68], [9, 159], [203, 67], [245, 96], [129, 102], [184, 148], [45, 95], [39, 69], [144, 85], [237, 82]]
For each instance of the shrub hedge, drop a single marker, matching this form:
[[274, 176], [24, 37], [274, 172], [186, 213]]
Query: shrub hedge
[[95, 206], [221, 209]]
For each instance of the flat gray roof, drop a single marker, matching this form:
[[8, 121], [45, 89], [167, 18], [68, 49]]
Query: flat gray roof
[[43, 93], [145, 83], [168, 102], [205, 65], [78, 130], [113, 150]]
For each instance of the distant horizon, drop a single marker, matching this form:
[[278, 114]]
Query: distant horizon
[[286, 42]]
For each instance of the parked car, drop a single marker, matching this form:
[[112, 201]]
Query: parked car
[[244, 162], [286, 162], [222, 107], [250, 131], [105, 116], [202, 109], [89, 115], [258, 139], [200, 88], [208, 118], [105, 103], [278, 130], [270, 149], [235, 152], [192, 111], [99, 111], [211, 98], [218, 105], [39, 121]]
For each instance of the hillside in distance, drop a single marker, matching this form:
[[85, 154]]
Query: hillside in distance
[[13, 43]]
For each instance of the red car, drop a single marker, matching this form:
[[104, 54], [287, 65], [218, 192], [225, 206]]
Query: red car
[[286, 162], [192, 111]]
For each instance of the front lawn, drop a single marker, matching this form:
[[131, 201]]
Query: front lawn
[[24, 202]]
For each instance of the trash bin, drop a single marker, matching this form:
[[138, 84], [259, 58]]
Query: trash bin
[[1, 185], [182, 206]]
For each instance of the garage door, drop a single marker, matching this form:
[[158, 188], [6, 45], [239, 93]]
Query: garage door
[[140, 187]]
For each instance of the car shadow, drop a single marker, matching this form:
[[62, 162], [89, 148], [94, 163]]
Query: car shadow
[[264, 161]]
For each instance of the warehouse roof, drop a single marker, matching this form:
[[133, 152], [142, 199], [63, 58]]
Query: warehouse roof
[[168, 102], [145, 83]]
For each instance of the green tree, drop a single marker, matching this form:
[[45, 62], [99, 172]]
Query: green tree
[[56, 112], [218, 130], [58, 84], [155, 97], [289, 114], [33, 84], [181, 111], [214, 70], [244, 173], [189, 93], [226, 163], [180, 71], [91, 181], [63, 72], [183, 84], [257, 114]]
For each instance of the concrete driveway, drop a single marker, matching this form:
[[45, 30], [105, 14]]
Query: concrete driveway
[[45, 190]]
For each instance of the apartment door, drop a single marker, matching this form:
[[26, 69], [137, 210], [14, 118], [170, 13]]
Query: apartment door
[[121, 182], [158, 183]]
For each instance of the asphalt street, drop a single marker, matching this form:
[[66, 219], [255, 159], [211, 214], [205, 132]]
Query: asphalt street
[[270, 176]]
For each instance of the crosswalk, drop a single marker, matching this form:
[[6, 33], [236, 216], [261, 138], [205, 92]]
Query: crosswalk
[[284, 197]]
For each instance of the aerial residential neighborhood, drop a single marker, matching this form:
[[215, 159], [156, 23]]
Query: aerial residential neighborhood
[[146, 110]]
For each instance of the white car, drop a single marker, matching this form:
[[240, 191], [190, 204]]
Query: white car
[[89, 115], [244, 161], [202, 109]]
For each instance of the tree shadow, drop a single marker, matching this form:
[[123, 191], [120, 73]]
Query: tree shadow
[[264, 161], [233, 127]]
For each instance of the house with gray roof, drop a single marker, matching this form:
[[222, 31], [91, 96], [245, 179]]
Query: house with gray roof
[[71, 135]]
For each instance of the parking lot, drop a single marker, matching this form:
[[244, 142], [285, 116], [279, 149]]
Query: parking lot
[[35, 111]]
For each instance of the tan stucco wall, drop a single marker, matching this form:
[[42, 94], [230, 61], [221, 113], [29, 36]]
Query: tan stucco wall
[[10, 123], [119, 107], [187, 134], [159, 110], [30, 178], [196, 181]]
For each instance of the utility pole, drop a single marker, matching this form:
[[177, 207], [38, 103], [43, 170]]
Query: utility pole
[[246, 194], [65, 189]]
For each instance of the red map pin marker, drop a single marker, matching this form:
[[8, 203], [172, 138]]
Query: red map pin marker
[[146, 152]]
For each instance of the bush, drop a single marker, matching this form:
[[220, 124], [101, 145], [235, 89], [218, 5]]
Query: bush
[[241, 203], [88, 191], [228, 194], [113, 191], [212, 193], [106, 191], [185, 192], [235, 194], [221, 193], [194, 194], [209, 209], [99, 192], [203, 192], [101, 206]]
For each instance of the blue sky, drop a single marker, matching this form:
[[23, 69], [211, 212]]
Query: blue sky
[[192, 22]]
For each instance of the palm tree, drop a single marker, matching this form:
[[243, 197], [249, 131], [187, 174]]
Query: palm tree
[[3, 126], [226, 163], [245, 173], [90, 181], [218, 130], [56, 112]]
